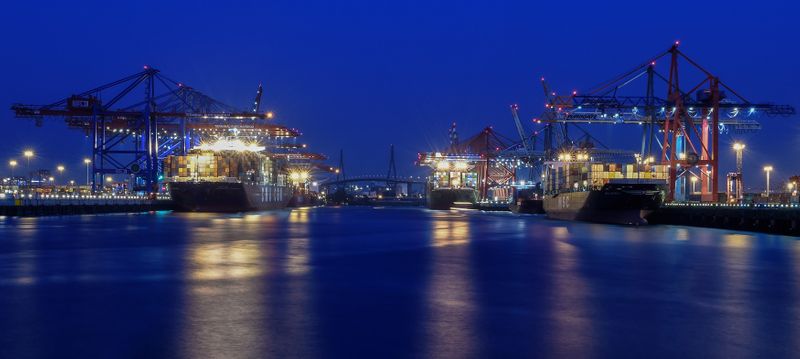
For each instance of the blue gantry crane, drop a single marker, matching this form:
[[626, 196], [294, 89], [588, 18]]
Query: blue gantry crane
[[136, 121]]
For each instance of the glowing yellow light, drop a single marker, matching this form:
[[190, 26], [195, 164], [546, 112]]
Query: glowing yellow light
[[443, 166], [60, 168], [12, 163], [87, 161], [28, 153], [226, 144], [461, 166], [767, 168], [298, 176], [738, 146], [270, 114]]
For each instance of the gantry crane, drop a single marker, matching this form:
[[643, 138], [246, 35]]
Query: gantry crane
[[690, 118], [131, 134]]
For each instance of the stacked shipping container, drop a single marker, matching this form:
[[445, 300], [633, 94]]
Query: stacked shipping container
[[206, 166], [572, 176]]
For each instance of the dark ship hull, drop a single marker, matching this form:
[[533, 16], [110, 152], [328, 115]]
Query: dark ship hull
[[616, 203], [451, 197], [227, 196], [530, 206]]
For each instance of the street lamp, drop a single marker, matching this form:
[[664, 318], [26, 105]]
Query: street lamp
[[60, 170], [768, 169], [12, 164], [87, 162], [738, 147], [694, 182], [28, 154]]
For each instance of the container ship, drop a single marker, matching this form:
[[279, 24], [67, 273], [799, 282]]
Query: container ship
[[579, 188], [227, 175]]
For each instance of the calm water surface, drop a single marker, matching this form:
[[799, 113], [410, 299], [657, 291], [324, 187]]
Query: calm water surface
[[380, 283]]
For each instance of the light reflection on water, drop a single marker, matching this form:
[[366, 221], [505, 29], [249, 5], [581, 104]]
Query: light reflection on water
[[298, 241], [210, 261], [223, 293], [569, 301], [460, 285], [450, 329], [235, 285]]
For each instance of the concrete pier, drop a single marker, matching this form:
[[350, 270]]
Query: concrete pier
[[767, 218], [56, 205]]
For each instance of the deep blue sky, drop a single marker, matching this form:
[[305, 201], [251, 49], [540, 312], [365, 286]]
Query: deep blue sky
[[362, 74]]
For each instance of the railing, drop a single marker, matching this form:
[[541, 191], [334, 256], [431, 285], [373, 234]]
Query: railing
[[733, 205], [75, 199]]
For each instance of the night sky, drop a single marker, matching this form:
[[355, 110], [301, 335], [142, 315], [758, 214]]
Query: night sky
[[361, 75]]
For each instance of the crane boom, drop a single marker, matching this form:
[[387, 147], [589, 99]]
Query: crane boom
[[257, 102], [520, 130]]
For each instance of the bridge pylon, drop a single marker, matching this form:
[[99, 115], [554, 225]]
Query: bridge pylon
[[392, 168], [340, 175]]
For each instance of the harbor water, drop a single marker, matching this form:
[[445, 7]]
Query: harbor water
[[390, 282]]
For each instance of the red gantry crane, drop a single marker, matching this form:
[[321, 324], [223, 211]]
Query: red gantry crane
[[689, 118]]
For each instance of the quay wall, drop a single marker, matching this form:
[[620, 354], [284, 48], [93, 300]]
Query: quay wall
[[767, 218], [71, 205]]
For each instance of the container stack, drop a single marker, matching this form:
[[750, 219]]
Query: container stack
[[219, 165]]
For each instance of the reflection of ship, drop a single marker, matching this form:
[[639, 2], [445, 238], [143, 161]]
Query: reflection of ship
[[226, 176], [577, 188]]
